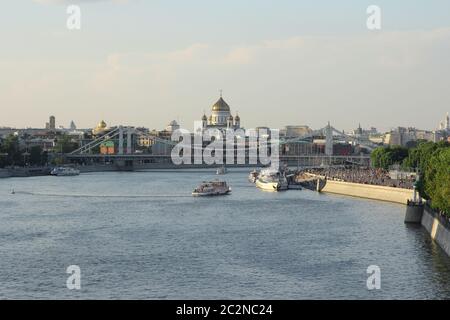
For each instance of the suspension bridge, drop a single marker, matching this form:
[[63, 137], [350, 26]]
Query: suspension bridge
[[126, 157]]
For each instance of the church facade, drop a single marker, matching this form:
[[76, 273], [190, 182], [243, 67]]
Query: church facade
[[221, 117]]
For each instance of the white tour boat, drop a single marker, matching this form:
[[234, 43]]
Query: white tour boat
[[65, 172], [272, 180], [213, 188]]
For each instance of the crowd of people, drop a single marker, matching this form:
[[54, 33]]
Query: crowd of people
[[365, 176]]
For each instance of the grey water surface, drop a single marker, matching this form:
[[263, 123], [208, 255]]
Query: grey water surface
[[141, 235]]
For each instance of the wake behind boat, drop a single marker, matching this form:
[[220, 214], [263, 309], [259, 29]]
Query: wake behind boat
[[212, 188], [65, 172]]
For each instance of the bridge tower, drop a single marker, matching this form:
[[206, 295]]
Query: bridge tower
[[120, 140], [328, 140], [129, 132]]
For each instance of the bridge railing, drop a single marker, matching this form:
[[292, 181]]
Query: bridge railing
[[96, 142]]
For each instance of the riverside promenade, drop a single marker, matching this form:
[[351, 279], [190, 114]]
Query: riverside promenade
[[42, 171], [364, 183], [438, 225]]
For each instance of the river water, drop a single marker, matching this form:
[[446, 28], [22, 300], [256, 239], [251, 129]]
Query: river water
[[141, 235]]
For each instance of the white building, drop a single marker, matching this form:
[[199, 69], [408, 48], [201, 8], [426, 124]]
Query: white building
[[172, 126], [445, 125], [221, 117]]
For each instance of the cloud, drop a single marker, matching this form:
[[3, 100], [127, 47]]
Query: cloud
[[389, 78], [324, 75]]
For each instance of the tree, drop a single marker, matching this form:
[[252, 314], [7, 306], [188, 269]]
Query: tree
[[419, 158], [11, 147], [384, 157], [64, 144], [437, 179], [36, 156], [432, 160]]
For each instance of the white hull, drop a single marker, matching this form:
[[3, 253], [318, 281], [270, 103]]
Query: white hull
[[213, 188], [210, 194], [65, 172], [269, 186]]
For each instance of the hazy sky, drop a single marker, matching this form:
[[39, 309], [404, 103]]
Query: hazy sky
[[279, 62]]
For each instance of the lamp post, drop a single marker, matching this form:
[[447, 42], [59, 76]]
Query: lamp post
[[25, 155]]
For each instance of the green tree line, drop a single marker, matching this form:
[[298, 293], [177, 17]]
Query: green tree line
[[432, 160], [12, 153]]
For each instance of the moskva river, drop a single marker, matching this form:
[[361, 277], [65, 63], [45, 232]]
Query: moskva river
[[142, 235]]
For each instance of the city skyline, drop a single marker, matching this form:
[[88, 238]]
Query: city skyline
[[53, 124], [294, 64]]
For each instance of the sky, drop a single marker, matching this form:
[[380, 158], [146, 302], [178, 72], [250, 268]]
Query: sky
[[279, 62]]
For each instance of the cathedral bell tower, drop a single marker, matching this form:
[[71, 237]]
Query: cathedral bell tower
[[230, 124], [204, 121], [237, 122]]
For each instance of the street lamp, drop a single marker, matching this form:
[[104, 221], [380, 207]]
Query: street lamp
[[25, 155]]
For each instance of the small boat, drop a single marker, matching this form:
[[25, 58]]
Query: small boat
[[272, 180], [213, 188], [65, 172], [253, 176], [221, 170], [310, 182]]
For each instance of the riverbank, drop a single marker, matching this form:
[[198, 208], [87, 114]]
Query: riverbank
[[390, 194], [438, 227], [24, 172], [367, 191], [154, 166], [29, 172]]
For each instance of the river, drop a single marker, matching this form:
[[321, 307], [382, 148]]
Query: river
[[140, 235]]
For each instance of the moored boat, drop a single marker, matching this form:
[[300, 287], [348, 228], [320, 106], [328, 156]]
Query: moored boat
[[212, 188], [64, 172], [271, 180], [253, 176]]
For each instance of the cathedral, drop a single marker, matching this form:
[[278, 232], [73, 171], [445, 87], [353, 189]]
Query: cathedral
[[221, 117]]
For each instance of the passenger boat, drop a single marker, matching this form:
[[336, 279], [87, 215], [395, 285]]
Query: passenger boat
[[213, 188], [253, 176], [272, 180], [64, 172]]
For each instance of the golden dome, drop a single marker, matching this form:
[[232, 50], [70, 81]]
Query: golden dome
[[101, 124], [221, 105]]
